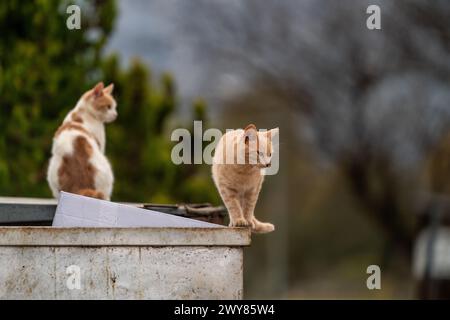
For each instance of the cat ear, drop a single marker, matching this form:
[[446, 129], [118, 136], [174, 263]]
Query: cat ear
[[109, 89], [98, 90], [250, 133]]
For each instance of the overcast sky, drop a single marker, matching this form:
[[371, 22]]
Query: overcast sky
[[148, 29]]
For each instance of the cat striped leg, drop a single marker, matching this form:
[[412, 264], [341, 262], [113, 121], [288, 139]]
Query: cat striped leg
[[231, 199]]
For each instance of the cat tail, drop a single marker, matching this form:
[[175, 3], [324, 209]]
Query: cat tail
[[91, 193]]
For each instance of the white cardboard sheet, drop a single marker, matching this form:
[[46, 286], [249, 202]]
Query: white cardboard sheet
[[78, 211]]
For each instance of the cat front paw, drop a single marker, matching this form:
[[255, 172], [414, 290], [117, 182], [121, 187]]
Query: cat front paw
[[263, 227], [239, 223]]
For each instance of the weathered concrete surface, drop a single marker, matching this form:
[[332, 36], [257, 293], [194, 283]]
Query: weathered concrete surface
[[52, 236], [142, 263]]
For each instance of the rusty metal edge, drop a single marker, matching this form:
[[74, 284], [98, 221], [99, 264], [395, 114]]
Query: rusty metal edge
[[94, 237]]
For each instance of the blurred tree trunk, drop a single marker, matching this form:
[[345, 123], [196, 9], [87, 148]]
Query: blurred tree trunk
[[380, 205]]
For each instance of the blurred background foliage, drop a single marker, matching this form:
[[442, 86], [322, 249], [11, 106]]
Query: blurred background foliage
[[44, 69]]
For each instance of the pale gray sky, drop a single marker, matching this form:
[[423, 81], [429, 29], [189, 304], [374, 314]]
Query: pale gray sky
[[148, 29]]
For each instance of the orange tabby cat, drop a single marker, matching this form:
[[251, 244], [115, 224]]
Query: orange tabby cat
[[239, 158]]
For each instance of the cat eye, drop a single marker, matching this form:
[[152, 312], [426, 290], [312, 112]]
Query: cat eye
[[108, 106]]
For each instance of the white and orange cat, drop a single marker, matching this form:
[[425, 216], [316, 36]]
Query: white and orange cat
[[239, 158], [78, 163]]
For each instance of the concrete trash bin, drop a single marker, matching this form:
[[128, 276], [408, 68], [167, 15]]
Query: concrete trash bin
[[122, 263]]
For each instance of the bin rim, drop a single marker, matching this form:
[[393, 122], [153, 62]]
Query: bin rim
[[140, 236]]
